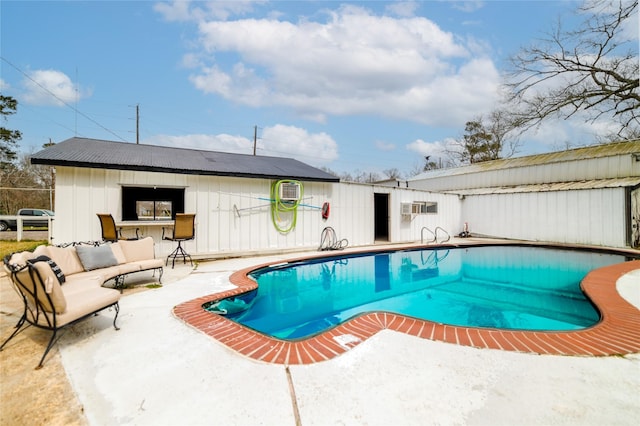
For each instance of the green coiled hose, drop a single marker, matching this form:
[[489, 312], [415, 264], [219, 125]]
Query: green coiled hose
[[279, 206]]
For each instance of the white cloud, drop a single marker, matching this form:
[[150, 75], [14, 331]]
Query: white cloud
[[175, 11], [559, 134], [403, 8], [4, 85], [437, 149], [317, 149], [630, 28], [221, 142], [51, 87], [468, 6], [186, 10], [352, 63], [606, 9], [289, 141], [385, 146]]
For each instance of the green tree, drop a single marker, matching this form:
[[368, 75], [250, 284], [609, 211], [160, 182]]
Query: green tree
[[478, 144], [8, 138]]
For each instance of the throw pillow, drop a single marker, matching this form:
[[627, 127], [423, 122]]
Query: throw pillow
[[96, 257], [54, 267]]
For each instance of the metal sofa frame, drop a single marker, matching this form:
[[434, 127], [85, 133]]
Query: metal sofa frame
[[35, 312]]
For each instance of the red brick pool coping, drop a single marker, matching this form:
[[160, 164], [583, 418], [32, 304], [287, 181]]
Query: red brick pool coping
[[618, 332]]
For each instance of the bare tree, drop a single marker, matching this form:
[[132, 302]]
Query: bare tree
[[24, 185], [502, 128], [393, 173], [592, 70]]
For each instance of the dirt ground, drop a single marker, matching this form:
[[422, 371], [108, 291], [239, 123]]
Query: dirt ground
[[29, 396]]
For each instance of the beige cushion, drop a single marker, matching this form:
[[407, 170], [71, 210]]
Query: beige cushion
[[20, 258], [41, 251], [86, 297], [88, 275], [17, 260], [45, 285], [148, 264], [83, 283], [129, 267], [135, 250], [118, 253], [66, 258]]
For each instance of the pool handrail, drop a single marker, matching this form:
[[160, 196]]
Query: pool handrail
[[435, 235]]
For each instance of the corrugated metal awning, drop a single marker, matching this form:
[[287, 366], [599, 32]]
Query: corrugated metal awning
[[550, 187], [576, 154]]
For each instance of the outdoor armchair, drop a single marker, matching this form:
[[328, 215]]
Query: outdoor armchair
[[183, 230], [109, 230]]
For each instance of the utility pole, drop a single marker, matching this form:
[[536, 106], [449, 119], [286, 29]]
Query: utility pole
[[137, 123], [255, 138]]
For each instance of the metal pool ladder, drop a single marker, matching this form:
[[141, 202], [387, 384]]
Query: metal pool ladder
[[435, 235]]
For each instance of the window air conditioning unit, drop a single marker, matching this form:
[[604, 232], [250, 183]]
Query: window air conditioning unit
[[405, 209], [289, 191]]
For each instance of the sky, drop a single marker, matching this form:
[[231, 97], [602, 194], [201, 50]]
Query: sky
[[354, 86]]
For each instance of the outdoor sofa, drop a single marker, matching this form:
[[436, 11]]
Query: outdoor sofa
[[60, 286]]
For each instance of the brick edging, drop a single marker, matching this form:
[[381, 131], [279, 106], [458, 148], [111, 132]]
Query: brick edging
[[617, 333]]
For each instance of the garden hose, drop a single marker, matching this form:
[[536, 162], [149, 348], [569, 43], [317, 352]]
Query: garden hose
[[284, 206]]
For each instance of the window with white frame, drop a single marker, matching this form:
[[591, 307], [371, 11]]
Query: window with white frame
[[424, 207]]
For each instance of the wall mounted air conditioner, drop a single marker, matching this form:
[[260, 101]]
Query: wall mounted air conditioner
[[289, 191], [405, 209]]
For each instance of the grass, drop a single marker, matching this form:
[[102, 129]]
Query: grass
[[10, 246]]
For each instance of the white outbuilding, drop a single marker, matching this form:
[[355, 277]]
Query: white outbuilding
[[585, 195], [244, 204]]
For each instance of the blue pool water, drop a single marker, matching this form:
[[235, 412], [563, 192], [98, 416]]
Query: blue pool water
[[507, 287]]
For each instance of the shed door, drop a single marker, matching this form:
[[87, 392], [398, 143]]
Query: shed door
[[381, 216]]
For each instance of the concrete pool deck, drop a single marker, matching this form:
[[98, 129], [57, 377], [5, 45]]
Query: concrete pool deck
[[159, 371]]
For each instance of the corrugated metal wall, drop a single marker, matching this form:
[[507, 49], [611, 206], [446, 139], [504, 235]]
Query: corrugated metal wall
[[234, 216], [595, 217], [609, 167]]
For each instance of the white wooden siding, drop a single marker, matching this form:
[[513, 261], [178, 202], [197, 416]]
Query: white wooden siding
[[82, 193]]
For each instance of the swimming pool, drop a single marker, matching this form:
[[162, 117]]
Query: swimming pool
[[505, 287]]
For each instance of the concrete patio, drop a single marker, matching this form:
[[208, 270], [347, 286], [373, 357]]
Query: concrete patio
[[158, 371]]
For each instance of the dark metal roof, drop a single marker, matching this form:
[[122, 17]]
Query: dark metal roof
[[100, 154]]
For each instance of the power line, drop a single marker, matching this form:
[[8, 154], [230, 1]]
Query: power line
[[62, 101]]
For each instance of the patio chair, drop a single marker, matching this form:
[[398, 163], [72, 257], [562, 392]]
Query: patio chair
[[50, 306], [183, 230], [110, 232]]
